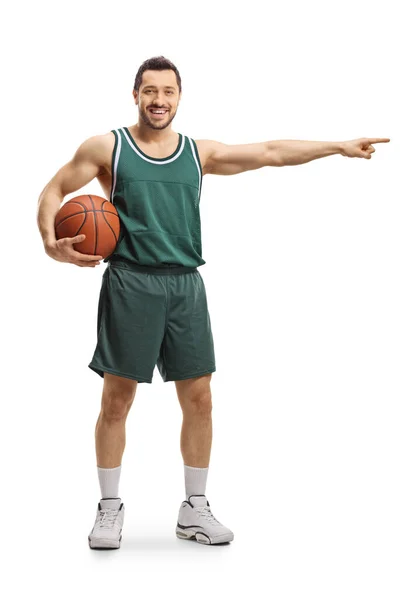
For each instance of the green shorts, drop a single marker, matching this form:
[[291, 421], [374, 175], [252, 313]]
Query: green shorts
[[149, 316]]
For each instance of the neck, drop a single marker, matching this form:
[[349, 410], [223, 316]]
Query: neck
[[152, 136]]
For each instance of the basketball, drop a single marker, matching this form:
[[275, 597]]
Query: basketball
[[93, 216]]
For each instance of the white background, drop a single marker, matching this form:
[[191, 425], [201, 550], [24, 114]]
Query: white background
[[302, 279]]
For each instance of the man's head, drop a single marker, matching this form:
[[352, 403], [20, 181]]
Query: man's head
[[157, 86]]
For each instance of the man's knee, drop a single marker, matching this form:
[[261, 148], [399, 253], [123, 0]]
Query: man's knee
[[195, 394], [118, 396]]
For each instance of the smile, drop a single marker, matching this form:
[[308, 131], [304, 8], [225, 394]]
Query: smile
[[157, 112]]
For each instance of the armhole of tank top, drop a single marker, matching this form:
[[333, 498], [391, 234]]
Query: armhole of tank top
[[196, 158], [114, 162]]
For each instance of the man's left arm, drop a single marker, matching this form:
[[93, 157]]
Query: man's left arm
[[224, 159]]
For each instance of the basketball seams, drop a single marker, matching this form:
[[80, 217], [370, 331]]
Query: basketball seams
[[95, 217], [82, 212], [96, 228], [109, 224]]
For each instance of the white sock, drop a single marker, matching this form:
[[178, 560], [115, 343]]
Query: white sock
[[195, 481], [109, 481]]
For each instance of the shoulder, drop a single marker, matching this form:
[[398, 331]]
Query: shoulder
[[97, 145], [206, 149], [98, 149]]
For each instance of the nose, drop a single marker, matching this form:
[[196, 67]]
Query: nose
[[159, 100]]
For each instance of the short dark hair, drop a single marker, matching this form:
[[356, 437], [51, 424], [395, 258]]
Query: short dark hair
[[157, 63]]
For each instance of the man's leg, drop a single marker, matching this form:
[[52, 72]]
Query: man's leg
[[194, 396], [195, 519], [196, 436], [117, 398]]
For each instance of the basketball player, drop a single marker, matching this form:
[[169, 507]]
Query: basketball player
[[153, 304]]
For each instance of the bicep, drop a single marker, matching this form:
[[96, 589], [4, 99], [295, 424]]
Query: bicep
[[225, 159], [84, 166]]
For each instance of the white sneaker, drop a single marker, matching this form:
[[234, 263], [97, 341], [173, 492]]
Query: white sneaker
[[196, 521], [106, 532]]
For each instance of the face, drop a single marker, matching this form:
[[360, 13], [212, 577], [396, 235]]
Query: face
[[158, 90]]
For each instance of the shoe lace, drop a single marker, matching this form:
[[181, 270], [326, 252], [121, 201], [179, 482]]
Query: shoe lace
[[107, 517], [205, 511]]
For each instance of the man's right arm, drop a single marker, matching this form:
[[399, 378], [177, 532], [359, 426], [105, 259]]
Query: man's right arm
[[85, 165]]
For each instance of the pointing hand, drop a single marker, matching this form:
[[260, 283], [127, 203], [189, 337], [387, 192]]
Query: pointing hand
[[361, 148]]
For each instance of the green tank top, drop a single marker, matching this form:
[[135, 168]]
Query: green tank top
[[157, 200]]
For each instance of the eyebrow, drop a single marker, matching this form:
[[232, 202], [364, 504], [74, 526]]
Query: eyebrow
[[154, 86]]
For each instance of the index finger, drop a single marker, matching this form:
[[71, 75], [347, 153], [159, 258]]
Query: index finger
[[377, 140], [88, 257]]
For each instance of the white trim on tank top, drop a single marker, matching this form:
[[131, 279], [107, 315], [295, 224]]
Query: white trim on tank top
[[197, 163], [155, 162], [117, 154]]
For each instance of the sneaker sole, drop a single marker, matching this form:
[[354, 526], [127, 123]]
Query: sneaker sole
[[202, 538], [106, 545]]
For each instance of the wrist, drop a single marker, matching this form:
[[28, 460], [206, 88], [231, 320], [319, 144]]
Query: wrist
[[49, 243], [340, 148]]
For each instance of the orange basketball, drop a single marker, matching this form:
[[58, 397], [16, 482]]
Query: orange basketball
[[96, 218]]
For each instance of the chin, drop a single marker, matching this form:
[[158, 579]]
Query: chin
[[159, 125]]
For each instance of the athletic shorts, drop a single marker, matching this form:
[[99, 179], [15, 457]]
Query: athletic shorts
[[149, 316]]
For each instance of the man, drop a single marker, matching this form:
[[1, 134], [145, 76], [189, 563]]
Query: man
[[153, 303]]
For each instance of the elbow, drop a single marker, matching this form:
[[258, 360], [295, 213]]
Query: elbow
[[273, 156]]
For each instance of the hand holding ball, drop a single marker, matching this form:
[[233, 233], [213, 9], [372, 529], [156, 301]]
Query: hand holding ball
[[92, 217]]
